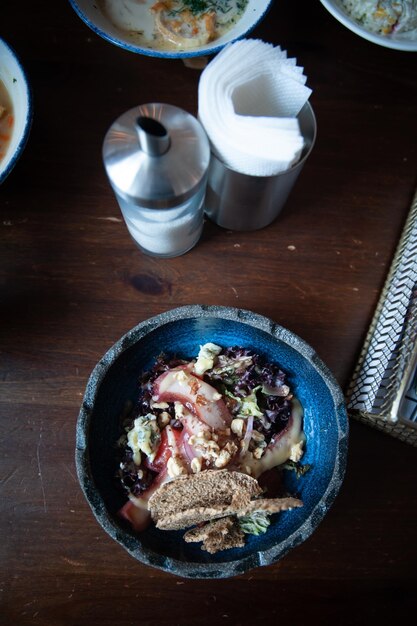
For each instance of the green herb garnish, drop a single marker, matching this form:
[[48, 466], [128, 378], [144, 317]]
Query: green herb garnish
[[201, 6], [256, 523]]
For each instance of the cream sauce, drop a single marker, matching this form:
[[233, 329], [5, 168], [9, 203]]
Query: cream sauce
[[279, 450], [142, 24]]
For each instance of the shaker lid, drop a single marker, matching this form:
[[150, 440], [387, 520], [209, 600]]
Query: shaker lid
[[156, 155]]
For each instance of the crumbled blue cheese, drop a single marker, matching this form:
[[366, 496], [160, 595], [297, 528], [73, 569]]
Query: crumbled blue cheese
[[145, 437], [206, 357]]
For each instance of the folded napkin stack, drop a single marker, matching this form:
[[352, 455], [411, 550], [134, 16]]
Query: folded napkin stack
[[249, 97]]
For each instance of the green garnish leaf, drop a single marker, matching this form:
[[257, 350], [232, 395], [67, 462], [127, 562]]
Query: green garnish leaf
[[256, 523]]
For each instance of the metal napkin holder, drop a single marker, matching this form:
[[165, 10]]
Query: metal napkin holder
[[383, 389]]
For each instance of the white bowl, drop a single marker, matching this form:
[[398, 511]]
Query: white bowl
[[90, 13], [398, 41], [14, 79]]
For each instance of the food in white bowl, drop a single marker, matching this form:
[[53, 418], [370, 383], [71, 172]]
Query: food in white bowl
[[204, 446], [388, 23], [6, 120], [15, 109], [171, 28], [384, 16], [174, 24]]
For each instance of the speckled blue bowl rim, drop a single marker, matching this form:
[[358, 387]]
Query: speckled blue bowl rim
[[29, 117], [163, 54], [259, 558]]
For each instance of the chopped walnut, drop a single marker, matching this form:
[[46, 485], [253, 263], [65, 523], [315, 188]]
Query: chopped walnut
[[176, 467], [237, 426], [257, 444], [194, 387], [211, 451], [212, 445], [163, 419], [297, 451], [258, 452], [200, 400], [257, 436], [223, 459], [226, 454], [208, 447], [196, 465]]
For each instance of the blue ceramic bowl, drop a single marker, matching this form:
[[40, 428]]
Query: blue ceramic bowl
[[90, 12], [180, 332]]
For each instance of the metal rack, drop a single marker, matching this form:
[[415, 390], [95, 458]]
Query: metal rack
[[383, 389]]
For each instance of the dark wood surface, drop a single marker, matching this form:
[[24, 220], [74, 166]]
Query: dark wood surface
[[72, 282]]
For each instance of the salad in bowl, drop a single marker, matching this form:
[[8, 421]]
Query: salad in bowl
[[227, 409], [210, 440]]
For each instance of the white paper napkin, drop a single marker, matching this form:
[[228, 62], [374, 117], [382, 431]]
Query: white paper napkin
[[248, 99]]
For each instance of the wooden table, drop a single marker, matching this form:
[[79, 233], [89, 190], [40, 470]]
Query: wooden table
[[73, 282]]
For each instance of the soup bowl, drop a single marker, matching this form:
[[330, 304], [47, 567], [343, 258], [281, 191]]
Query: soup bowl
[[14, 80], [91, 12], [180, 332], [405, 41]]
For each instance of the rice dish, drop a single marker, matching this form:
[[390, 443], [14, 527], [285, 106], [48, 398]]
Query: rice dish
[[383, 17]]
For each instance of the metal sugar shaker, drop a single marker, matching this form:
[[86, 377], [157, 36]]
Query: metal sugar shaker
[[156, 157]]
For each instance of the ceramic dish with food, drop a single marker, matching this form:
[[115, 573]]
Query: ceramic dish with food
[[210, 441], [15, 109], [389, 23], [171, 28], [207, 439]]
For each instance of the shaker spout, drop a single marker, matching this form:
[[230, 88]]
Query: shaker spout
[[153, 136]]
